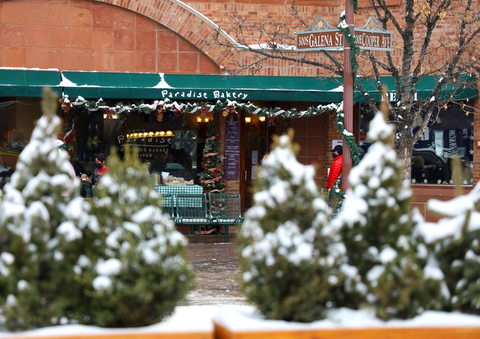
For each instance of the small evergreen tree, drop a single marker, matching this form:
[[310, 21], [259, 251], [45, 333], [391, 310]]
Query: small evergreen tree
[[377, 227], [454, 241], [44, 226], [136, 275], [212, 178], [287, 256]]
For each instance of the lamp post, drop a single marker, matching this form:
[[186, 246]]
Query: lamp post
[[347, 94]]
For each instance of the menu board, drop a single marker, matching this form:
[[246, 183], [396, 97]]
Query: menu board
[[232, 150]]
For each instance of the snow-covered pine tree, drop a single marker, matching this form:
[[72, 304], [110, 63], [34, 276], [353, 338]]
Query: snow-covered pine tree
[[376, 226], [287, 256], [139, 272], [454, 242], [43, 232], [212, 178]]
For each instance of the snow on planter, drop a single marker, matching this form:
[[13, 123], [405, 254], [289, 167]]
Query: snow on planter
[[233, 322]]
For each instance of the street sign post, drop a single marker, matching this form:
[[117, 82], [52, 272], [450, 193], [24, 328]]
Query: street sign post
[[323, 37]]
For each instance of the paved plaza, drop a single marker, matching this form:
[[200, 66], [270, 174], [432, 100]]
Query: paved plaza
[[217, 269]]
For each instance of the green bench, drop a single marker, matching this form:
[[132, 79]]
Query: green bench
[[195, 210]]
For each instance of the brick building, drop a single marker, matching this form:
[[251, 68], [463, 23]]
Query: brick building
[[67, 38]]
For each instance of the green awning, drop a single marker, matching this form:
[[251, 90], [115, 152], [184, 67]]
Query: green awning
[[91, 85], [158, 86], [464, 88], [27, 83]]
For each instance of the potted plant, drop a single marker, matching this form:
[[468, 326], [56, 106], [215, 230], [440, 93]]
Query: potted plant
[[371, 272]]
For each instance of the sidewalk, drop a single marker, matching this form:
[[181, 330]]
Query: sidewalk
[[217, 269]]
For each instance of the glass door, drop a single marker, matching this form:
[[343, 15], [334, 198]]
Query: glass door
[[254, 147]]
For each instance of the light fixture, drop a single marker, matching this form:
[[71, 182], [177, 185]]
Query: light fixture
[[262, 118], [199, 119], [141, 135], [248, 120], [205, 120], [112, 116]]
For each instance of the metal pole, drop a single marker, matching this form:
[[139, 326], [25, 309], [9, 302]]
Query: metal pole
[[347, 95]]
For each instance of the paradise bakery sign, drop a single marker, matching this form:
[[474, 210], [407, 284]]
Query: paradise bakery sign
[[203, 94]]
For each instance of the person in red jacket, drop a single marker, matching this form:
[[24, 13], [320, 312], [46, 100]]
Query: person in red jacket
[[336, 168]]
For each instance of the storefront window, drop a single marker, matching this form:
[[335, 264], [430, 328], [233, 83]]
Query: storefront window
[[449, 134], [172, 142], [17, 121]]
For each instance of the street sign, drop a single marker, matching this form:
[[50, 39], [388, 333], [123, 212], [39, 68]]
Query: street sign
[[314, 41], [373, 37], [323, 37], [320, 36]]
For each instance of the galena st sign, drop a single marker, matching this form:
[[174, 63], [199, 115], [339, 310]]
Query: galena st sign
[[322, 36]]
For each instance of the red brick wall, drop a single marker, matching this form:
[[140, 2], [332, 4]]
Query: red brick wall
[[88, 35]]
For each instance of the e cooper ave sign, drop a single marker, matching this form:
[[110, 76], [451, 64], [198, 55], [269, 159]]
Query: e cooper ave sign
[[332, 38]]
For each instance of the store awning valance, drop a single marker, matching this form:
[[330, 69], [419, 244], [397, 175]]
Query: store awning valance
[[200, 87], [463, 88], [159, 86], [27, 82], [242, 88]]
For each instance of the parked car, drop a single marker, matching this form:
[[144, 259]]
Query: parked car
[[428, 167]]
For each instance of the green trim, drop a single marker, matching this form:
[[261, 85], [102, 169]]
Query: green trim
[[184, 87], [93, 85], [28, 83], [343, 26], [196, 88]]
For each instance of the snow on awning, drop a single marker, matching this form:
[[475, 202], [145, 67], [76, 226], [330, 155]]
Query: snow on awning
[[161, 86], [197, 87], [23, 82]]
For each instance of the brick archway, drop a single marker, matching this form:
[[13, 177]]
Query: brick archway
[[183, 20]]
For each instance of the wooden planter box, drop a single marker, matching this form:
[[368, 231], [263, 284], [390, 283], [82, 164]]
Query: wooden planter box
[[254, 330], [133, 335], [186, 323], [374, 333]]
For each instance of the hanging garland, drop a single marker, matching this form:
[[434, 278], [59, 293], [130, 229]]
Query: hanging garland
[[347, 136], [225, 107], [343, 26], [354, 152], [65, 104]]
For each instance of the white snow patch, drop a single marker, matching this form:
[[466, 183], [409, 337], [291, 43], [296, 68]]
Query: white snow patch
[[110, 266]]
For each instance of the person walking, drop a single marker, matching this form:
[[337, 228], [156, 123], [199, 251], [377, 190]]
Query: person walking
[[336, 168], [100, 170]]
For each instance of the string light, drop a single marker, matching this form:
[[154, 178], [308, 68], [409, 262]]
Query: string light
[[150, 134]]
